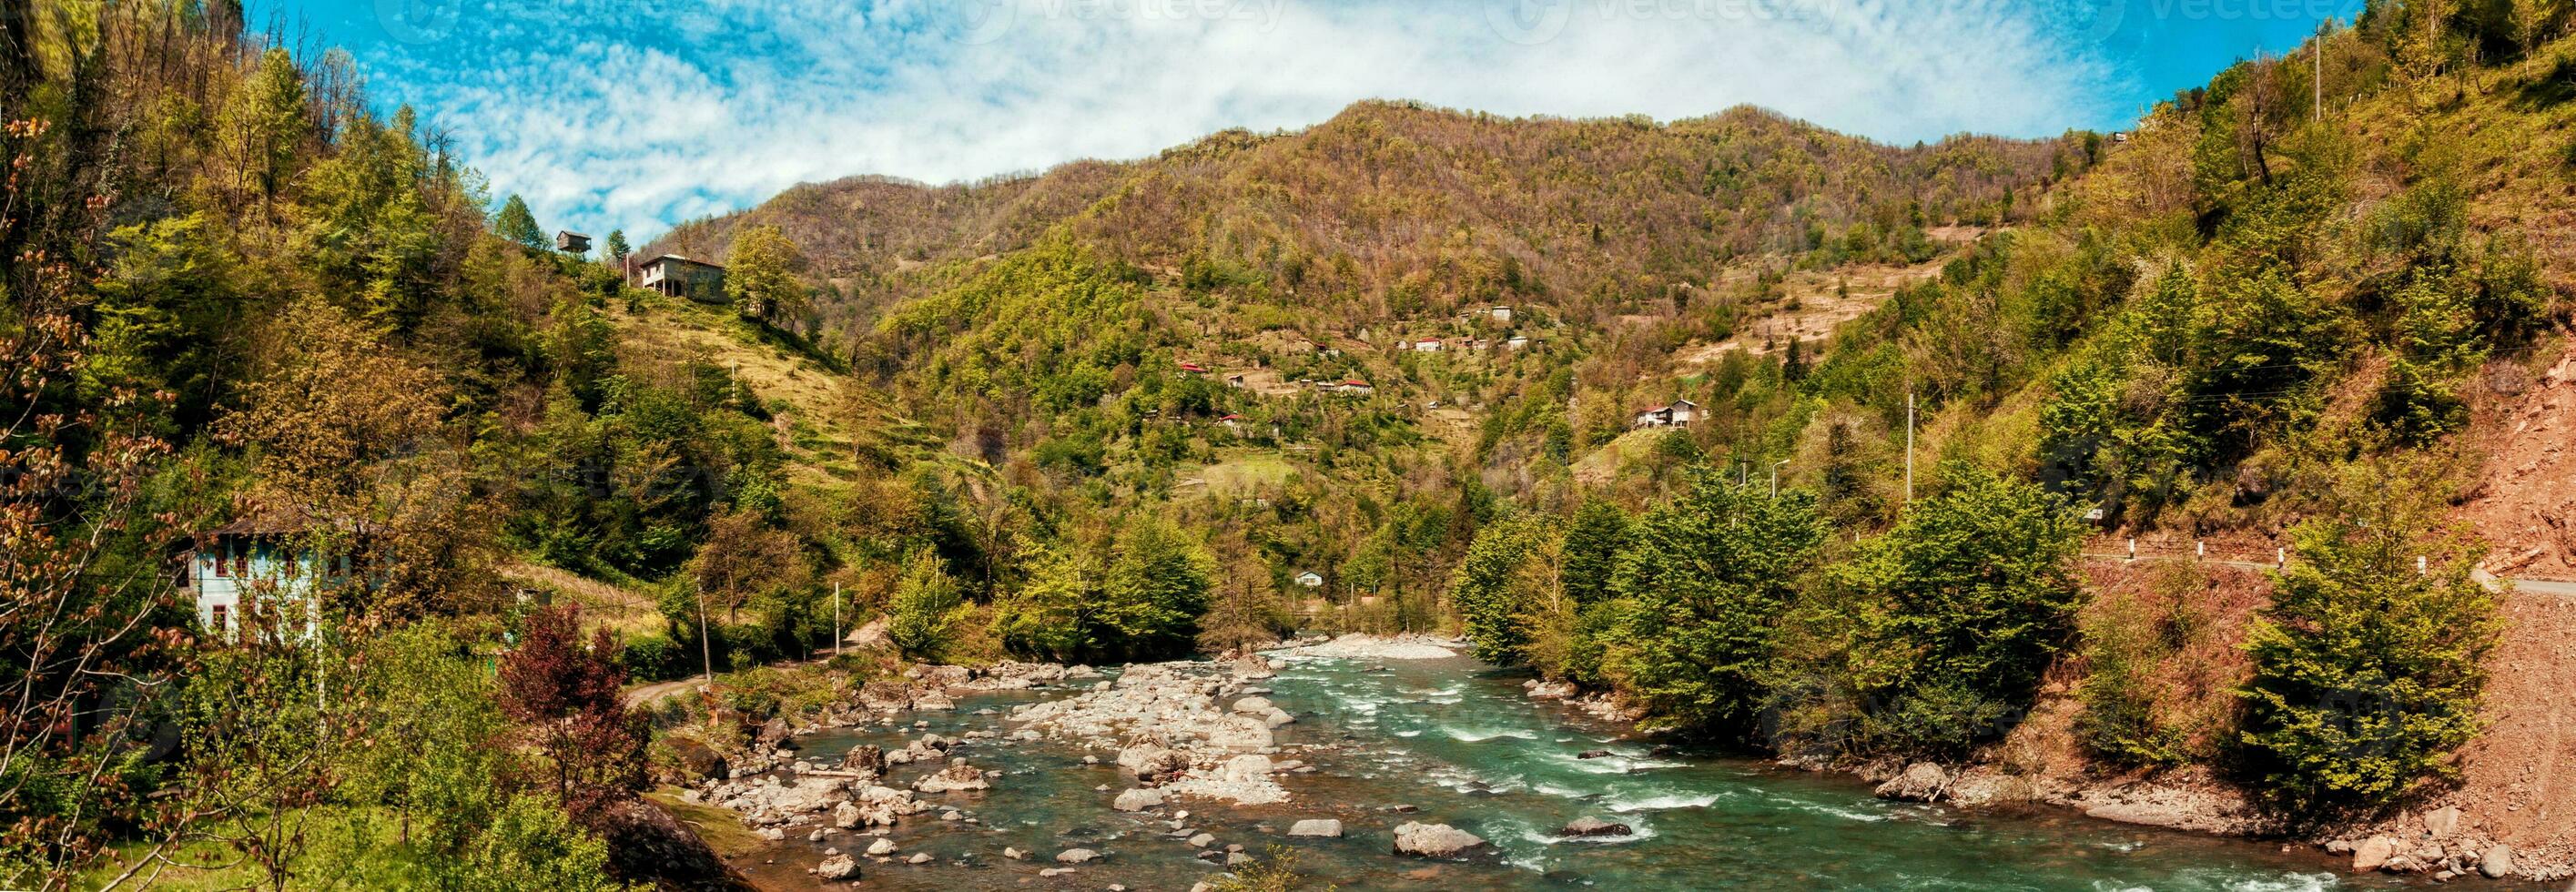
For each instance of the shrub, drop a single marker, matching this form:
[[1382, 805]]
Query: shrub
[[2123, 651], [926, 601], [531, 846], [656, 658]]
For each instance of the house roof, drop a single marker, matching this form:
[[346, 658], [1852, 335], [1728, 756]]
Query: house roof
[[1229, 416], [1354, 382], [682, 259], [1192, 367]]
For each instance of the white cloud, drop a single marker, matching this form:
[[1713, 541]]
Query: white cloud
[[612, 117]]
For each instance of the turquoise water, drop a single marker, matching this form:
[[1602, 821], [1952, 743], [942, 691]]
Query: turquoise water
[[1458, 743]]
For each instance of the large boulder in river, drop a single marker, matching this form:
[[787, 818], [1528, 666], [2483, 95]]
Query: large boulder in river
[[775, 734], [1244, 769], [1588, 826], [942, 676], [1919, 782], [1316, 827], [1240, 734], [1434, 840], [957, 776], [693, 760], [885, 695], [1138, 799], [837, 867], [1149, 759], [2497, 863], [806, 795], [2373, 854], [1253, 705], [866, 757]]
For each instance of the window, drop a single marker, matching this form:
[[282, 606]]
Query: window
[[221, 621]]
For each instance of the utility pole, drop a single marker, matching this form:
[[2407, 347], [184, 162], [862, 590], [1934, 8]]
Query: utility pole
[[836, 619], [706, 650], [1775, 477], [1909, 447]]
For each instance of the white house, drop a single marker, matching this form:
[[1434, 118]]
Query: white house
[[1310, 579], [1500, 314], [679, 276], [1517, 342], [1680, 414], [1427, 345], [251, 571]]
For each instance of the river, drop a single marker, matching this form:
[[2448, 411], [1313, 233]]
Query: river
[[1459, 743]]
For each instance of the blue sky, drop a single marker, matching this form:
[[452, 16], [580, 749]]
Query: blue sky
[[636, 114]]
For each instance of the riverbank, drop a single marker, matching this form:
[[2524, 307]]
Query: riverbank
[[2509, 816], [1155, 777]]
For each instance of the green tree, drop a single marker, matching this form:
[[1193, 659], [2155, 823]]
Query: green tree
[[758, 277], [1708, 580], [1593, 543], [1244, 612], [617, 246], [261, 131], [1056, 614], [515, 223], [2367, 673], [1486, 588], [1155, 588], [437, 751], [927, 604], [1962, 605]]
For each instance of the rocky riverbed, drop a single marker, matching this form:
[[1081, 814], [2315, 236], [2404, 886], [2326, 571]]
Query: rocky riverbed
[[1380, 771]]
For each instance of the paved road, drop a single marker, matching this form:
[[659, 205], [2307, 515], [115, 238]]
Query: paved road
[[2558, 587]]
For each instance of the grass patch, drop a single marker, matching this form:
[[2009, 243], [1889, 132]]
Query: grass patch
[[1245, 474]]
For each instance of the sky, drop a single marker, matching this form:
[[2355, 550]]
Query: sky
[[638, 114]]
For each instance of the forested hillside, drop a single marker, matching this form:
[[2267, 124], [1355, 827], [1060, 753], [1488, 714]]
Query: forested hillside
[[1381, 374], [243, 300]]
